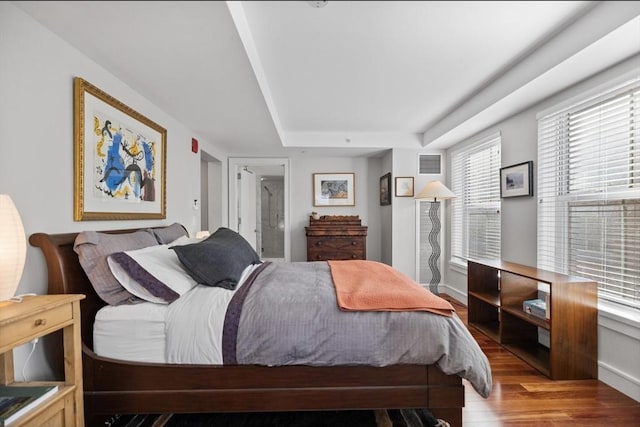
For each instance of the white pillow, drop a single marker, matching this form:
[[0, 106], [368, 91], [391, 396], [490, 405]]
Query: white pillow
[[154, 273]]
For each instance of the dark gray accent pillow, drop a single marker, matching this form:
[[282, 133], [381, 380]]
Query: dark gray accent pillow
[[218, 260], [94, 247], [168, 234]]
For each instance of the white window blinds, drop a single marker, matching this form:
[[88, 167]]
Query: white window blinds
[[475, 227], [589, 192]]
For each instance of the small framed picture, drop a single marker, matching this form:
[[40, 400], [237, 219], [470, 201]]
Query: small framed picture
[[404, 186], [385, 189], [517, 180], [334, 189]]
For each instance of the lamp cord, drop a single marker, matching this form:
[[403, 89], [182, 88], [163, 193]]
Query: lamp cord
[[26, 362], [18, 299]]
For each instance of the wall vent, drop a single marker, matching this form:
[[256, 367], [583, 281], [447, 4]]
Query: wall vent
[[429, 164]]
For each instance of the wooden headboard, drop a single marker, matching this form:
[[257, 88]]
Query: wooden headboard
[[66, 276]]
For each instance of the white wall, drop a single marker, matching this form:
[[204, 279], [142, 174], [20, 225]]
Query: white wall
[[36, 143], [302, 170], [374, 232], [405, 232], [619, 335], [386, 213]]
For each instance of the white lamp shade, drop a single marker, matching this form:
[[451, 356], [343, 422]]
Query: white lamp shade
[[13, 248], [435, 190]]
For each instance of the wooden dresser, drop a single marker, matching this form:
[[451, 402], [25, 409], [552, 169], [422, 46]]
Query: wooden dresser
[[337, 237]]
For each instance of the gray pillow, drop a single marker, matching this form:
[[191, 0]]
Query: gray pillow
[[166, 235], [218, 260], [94, 247]]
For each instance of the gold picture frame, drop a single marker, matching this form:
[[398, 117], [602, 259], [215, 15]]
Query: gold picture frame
[[119, 159], [334, 189]]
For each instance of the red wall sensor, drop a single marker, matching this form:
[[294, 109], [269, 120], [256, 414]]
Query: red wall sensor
[[194, 145]]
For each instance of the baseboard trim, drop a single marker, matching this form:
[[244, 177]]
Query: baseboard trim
[[454, 293], [619, 380]]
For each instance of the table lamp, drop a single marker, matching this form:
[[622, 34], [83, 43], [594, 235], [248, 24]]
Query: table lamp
[[13, 248]]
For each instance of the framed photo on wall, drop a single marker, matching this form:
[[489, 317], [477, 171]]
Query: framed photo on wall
[[404, 186], [119, 159], [334, 189], [517, 180], [385, 189]]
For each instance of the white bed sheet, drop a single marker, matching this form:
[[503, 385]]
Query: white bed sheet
[[138, 332], [131, 332]]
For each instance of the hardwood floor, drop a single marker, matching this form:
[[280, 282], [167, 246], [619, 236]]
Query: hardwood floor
[[522, 396]]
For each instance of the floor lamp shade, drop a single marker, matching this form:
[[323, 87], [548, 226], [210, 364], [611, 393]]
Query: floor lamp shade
[[13, 248], [435, 191]]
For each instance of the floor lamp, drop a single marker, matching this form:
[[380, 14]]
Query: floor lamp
[[437, 191]]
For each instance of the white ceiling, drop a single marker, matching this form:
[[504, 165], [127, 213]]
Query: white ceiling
[[353, 77]]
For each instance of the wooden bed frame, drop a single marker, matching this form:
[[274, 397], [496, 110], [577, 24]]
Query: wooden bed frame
[[119, 387]]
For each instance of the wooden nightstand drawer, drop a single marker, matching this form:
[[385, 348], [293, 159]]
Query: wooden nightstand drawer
[[37, 316], [35, 325]]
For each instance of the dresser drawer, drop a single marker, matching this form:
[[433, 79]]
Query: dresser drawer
[[336, 248], [334, 255], [337, 243]]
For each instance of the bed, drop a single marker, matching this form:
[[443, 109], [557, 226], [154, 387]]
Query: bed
[[117, 386]]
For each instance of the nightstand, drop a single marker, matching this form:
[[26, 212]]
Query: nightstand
[[35, 317]]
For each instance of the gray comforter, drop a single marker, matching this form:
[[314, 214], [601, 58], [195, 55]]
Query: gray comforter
[[288, 315]]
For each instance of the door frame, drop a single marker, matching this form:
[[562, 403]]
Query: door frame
[[235, 164]]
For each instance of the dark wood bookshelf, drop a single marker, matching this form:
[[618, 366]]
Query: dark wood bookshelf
[[496, 292]]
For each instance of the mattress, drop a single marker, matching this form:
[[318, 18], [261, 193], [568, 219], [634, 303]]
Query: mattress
[[137, 332], [131, 332]]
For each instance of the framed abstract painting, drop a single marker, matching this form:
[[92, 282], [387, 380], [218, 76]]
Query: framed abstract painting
[[119, 159]]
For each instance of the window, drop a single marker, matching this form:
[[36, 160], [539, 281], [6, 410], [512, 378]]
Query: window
[[589, 192], [475, 228]]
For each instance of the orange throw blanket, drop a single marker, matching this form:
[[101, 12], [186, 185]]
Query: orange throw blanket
[[373, 286]]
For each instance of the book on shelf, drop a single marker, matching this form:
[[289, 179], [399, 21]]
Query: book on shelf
[[17, 400], [536, 307]]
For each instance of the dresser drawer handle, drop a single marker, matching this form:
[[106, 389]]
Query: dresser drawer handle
[[319, 243], [353, 243], [40, 322], [354, 256]]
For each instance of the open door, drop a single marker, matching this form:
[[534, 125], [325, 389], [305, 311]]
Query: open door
[[247, 207]]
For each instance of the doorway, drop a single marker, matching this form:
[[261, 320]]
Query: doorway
[[259, 204], [271, 226], [210, 193]]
